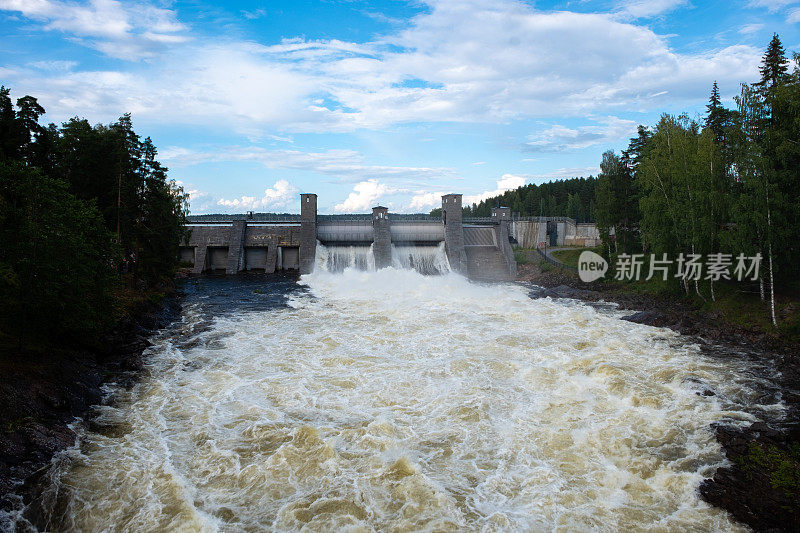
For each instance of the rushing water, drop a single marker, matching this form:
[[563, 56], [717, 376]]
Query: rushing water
[[426, 260], [394, 401]]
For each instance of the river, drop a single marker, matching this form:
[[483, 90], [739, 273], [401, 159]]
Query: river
[[393, 401]]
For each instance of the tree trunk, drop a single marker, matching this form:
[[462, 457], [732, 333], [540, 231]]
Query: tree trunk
[[772, 288]]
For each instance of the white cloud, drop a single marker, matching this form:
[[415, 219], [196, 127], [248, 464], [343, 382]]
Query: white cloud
[[278, 196], [55, 65], [506, 182], [559, 138], [425, 201], [517, 63], [794, 16], [772, 5], [127, 30], [345, 165], [649, 8], [748, 29], [364, 196]]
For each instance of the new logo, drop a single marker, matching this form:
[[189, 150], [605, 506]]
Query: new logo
[[591, 266]]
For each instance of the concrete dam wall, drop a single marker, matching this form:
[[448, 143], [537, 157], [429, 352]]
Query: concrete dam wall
[[233, 243]]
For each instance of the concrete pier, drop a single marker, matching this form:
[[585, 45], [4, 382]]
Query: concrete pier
[[382, 237], [502, 216], [308, 232], [454, 232]]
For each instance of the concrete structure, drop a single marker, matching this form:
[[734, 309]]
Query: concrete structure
[[454, 232], [555, 231], [381, 237], [479, 249], [308, 232]]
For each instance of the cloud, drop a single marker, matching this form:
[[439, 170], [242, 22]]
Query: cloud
[[55, 65], [424, 201], [345, 165], [649, 8], [279, 195], [506, 182], [748, 29], [364, 196], [794, 16], [255, 14], [771, 5], [519, 63], [127, 30], [559, 138]]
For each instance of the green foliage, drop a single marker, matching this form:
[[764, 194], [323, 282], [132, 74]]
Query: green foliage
[[520, 257], [79, 205], [616, 197], [727, 185], [572, 198], [782, 467], [57, 260], [570, 256]]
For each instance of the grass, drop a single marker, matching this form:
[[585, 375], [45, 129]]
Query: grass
[[736, 302], [570, 257]]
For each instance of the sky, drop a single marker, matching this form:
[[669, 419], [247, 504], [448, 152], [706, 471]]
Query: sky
[[382, 102]]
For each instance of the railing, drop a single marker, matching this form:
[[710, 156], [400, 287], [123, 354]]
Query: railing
[[224, 218], [543, 219], [555, 262], [255, 217]]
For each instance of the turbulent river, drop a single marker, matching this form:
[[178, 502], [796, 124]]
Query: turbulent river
[[393, 401]]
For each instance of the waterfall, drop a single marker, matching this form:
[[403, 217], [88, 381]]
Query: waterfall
[[424, 259], [335, 258]]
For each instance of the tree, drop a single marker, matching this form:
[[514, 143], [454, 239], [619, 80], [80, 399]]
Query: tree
[[57, 258], [616, 202], [774, 65], [63, 191]]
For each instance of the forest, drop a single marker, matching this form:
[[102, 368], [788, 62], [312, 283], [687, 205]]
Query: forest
[[87, 215], [574, 198], [725, 184]]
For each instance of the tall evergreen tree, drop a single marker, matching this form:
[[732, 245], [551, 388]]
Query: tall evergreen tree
[[774, 65]]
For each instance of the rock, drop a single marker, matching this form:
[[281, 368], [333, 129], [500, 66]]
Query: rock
[[541, 292], [649, 318]]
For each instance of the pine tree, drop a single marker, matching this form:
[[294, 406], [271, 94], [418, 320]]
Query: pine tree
[[717, 118], [774, 67]]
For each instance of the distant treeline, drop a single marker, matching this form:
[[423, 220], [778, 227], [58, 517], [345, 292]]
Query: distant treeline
[[574, 198], [727, 184], [84, 212]]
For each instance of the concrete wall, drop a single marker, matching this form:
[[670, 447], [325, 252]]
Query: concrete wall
[[503, 217], [583, 234], [382, 237], [454, 232], [529, 233], [241, 242], [255, 258], [308, 239]]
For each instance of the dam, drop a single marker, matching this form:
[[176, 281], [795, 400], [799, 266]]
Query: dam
[[478, 248]]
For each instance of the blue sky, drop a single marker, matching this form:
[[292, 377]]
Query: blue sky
[[393, 102]]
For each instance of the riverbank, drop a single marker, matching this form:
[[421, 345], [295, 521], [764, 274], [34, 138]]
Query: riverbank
[[46, 386], [761, 487]]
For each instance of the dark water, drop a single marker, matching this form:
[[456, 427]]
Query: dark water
[[216, 296]]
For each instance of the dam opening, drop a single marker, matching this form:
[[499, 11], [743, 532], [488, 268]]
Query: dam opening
[[401, 399]]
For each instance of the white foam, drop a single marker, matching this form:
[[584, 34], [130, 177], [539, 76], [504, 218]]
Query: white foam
[[393, 400]]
